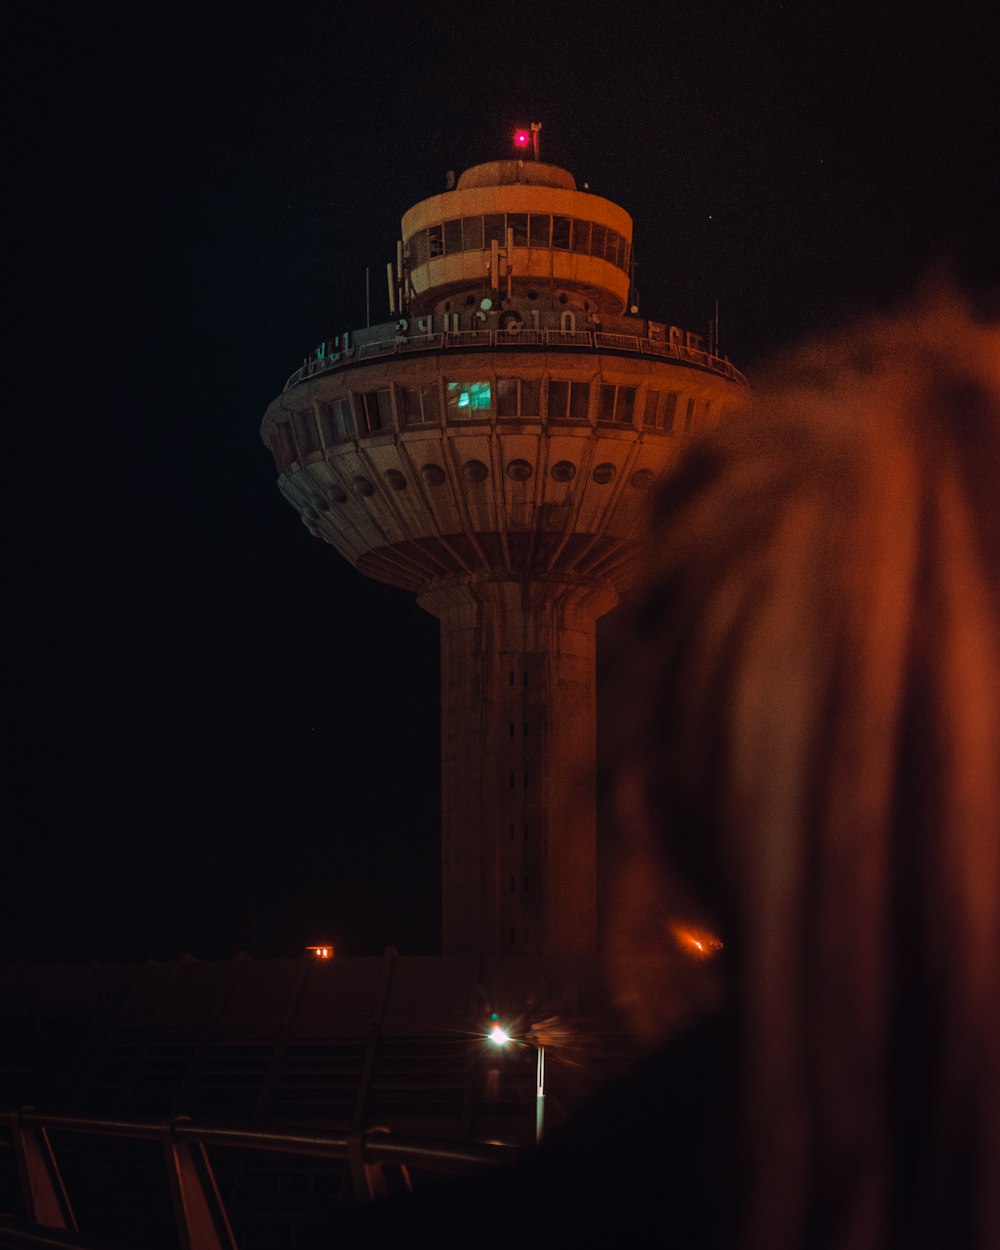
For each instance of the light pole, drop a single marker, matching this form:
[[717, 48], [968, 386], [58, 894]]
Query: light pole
[[539, 1093], [499, 1036]]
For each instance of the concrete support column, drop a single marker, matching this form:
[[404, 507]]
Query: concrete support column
[[518, 758]]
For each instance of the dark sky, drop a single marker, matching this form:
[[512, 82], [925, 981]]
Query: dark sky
[[221, 719]]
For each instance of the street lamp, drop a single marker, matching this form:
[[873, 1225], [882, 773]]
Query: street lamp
[[499, 1036]]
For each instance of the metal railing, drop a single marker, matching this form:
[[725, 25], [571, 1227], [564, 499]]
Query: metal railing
[[200, 1214], [594, 341]]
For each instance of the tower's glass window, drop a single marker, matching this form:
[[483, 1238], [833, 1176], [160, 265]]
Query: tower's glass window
[[333, 421], [493, 229], [419, 403], [613, 248], [506, 397], [597, 238], [660, 409], [580, 239], [435, 241], [430, 399], [418, 250], [579, 400], [283, 444], [568, 399], [558, 397], [560, 232], [617, 403], [540, 230], [472, 234], [409, 405], [517, 223], [468, 399], [306, 433], [374, 409], [531, 397], [689, 417], [519, 397], [453, 236]]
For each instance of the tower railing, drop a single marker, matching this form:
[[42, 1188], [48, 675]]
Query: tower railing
[[375, 1158], [528, 339]]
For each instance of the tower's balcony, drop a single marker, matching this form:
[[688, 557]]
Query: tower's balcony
[[343, 352], [490, 452]]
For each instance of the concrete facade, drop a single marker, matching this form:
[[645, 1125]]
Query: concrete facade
[[492, 450]]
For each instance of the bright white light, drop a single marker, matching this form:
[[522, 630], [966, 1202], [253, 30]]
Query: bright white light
[[498, 1036]]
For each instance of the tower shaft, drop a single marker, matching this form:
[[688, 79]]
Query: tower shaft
[[518, 756]]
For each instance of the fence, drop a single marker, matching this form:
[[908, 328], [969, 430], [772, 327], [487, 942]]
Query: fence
[[374, 1157]]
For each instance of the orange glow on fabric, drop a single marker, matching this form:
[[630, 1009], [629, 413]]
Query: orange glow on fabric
[[695, 943]]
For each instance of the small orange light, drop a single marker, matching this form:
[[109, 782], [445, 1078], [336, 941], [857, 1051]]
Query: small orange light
[[321, 952], [697, 943]]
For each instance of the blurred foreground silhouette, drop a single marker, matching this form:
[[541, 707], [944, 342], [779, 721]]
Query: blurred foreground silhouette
[[805, 766]]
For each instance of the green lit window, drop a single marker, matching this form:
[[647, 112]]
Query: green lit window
[[468, 399], [519, 397]]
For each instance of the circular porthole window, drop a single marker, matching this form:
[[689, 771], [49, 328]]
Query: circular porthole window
[[394, 479], [363, 487], [432, 474], [563, 471], [642, 479], [475, 471], [519, 470], [604, 473]]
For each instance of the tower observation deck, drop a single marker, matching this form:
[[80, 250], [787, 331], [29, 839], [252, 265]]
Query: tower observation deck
[[491, 449]]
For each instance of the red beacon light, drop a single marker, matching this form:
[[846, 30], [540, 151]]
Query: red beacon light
[[527, 137]]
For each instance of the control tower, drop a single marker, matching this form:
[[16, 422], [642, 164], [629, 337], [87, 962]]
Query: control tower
[[491, 449]]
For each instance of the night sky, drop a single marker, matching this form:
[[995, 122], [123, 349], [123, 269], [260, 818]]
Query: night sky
[[228, 736]]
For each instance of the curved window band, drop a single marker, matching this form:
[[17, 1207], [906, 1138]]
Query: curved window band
[[552, 231]]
